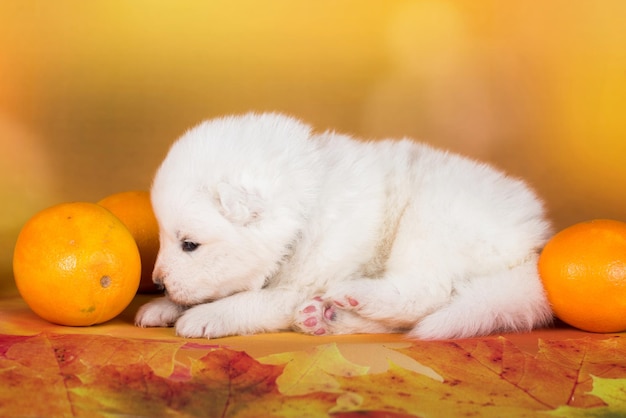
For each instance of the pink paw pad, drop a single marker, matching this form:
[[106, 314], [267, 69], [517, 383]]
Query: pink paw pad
[[310, 322], [309, 309]]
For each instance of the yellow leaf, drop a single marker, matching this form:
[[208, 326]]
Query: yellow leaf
[[313, 370]]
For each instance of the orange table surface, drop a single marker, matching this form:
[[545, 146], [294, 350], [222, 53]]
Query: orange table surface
[[118, 369]]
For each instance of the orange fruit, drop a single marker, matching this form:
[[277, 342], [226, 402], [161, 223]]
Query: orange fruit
[[583, 270], [76, 264], [135, 211]]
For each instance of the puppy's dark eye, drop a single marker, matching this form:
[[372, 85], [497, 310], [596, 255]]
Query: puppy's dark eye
[[189, 246]]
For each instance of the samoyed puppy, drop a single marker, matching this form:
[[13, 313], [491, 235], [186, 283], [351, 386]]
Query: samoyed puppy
[[267, 226]]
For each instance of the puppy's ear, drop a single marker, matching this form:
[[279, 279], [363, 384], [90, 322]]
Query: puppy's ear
[[238, 205]]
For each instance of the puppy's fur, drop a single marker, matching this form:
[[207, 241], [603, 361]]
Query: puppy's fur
[[266, 226]]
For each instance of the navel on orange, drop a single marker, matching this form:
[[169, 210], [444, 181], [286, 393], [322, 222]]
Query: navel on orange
[[583, 270], [134, 209], [76, 264]]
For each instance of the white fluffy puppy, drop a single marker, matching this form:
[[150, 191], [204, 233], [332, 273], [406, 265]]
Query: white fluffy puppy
[[266, 226]]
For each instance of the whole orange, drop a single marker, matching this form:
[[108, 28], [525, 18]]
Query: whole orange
[[583, 270], [134, 209], [76, 264]]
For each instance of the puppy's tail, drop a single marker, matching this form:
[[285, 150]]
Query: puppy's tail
[[510, 301]]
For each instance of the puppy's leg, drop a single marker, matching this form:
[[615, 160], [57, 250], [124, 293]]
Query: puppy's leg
[[510, 300], [507, 300], [251, 312], [397, 301], [416, 280], [161, 312]]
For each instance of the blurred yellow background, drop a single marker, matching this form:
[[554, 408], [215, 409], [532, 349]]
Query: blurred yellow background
[[93, 93]]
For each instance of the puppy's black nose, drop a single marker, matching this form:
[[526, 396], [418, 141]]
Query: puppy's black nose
[[158, 282]]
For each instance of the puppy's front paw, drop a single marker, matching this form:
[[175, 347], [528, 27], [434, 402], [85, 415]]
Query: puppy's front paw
[[161, 312], [202, 321], [189, 326]]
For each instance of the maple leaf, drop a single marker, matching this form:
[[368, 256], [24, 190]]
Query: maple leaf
[[29, 378], [99, 376], [490, 377], [91, 375], [313, 370], [48, 367], [76, 353], [221, 383], [611, 391], [581, 359]]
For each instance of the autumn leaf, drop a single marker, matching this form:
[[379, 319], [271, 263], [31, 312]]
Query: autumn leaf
[[29, 378], [76, 353], [611, 391], [313, 370], [372, 414], [492, 377], [222, 383], [101, 376], [98, 376], [581, 360], [38, 373]]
